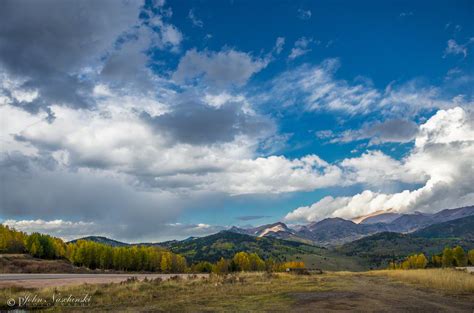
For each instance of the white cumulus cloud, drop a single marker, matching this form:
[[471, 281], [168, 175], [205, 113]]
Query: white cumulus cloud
[[443, 156]]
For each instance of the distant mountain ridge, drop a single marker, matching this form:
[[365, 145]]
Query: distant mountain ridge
[[349, 245], [338, 231], [383, 247], [335, 231], [101, 239], [276, 230], [459, 228]]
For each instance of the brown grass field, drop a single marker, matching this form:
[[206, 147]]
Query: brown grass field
[[448, 280], [24, 263], [378, 291], [36, 281]]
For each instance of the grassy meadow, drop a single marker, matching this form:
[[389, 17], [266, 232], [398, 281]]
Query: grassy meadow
[[380, 290], [448, 280]]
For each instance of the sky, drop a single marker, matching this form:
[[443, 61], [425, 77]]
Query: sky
[[158, 120]]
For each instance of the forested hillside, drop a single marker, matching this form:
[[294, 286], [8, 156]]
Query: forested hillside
[[462, 228], [380, 249], [91, 254], [226, 243], [240, 255]]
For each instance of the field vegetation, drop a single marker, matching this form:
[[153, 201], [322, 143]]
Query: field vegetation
[[387, 291], [25, 263], [449, 280]]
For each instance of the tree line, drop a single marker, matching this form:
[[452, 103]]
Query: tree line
[[244, 262], [36, 244], [450, 257], [12, 241], [133, 258], [95, 255], [90, 254]]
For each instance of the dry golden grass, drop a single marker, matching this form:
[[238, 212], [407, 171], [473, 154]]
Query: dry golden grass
[[257, 292], [449, 280], [24, 263], [242, 292]]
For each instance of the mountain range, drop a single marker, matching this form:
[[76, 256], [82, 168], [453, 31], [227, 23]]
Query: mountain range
[[333, 243], [337, 231], [383, 247], [277, 241]]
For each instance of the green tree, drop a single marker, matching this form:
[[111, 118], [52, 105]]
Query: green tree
[[405, 265], [459, 256], [437, 260], [33, 245], [154, 257], [48, 246], [448, 257], [59, 248], [178, 264], [35, 249], [256, 263], [470, 256], [242, 261], [166, 262], [202, 267], [270, 265], [421, 261], [12, 241], [221, 267]]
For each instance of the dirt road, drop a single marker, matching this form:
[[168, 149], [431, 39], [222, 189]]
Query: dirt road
[[53, 280], [364, 293]]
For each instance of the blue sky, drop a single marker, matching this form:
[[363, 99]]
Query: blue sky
[[385, 42], [156, 120]]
